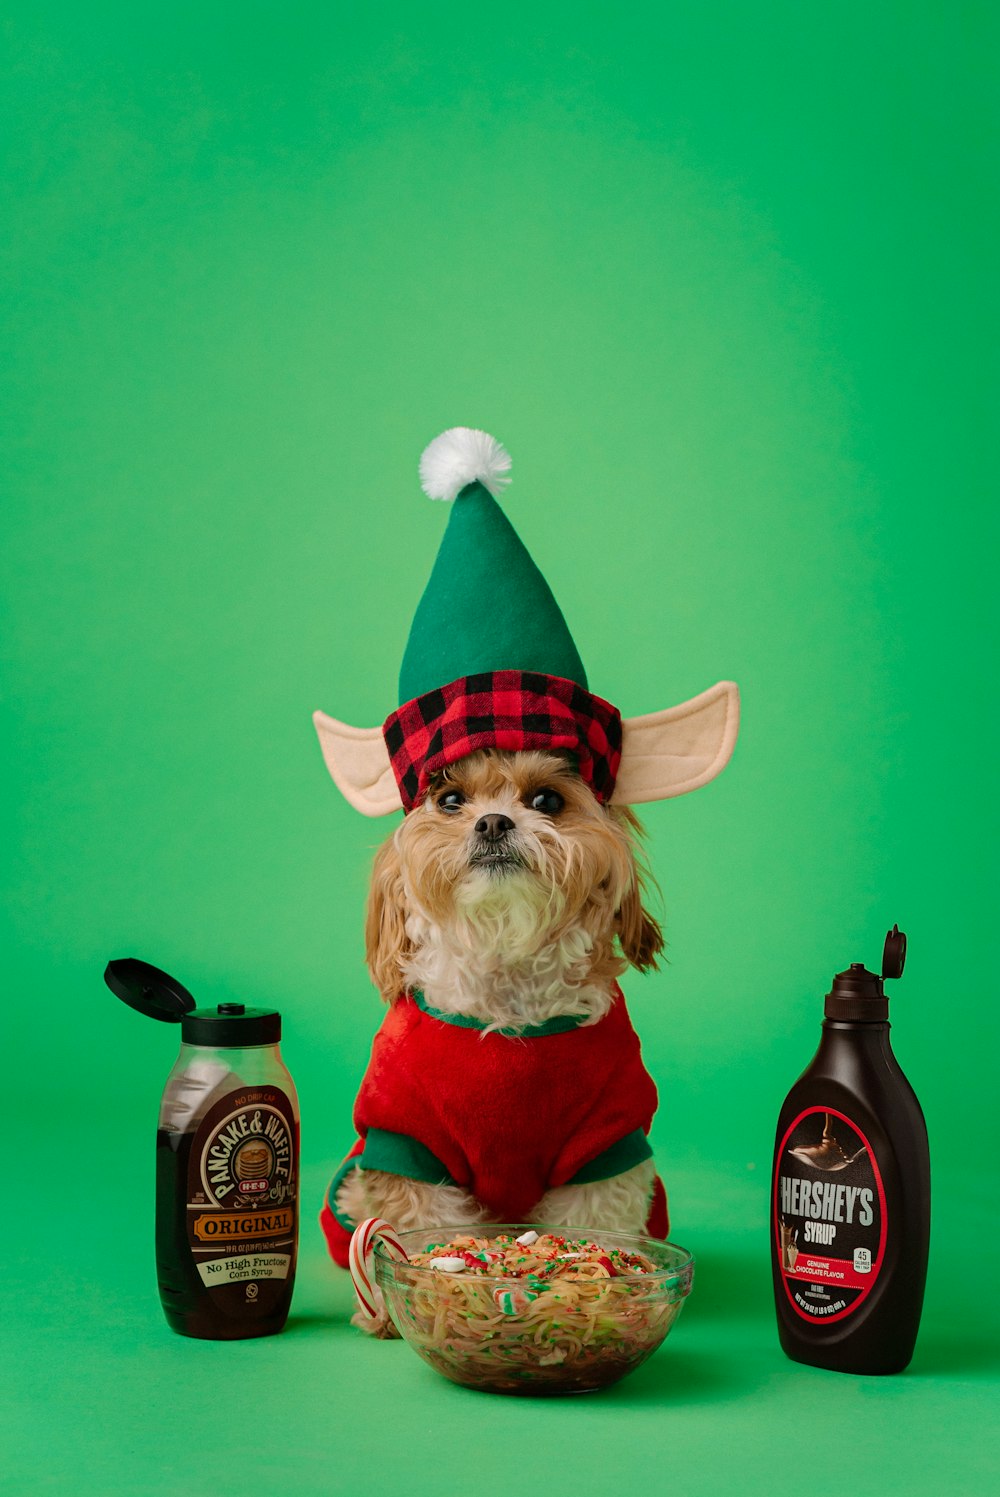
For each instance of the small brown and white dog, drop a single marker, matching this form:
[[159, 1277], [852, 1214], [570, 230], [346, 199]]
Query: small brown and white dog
[[506, 1081], [510, 897], [513, 897]]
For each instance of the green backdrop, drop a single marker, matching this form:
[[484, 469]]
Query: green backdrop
[[719, 278]]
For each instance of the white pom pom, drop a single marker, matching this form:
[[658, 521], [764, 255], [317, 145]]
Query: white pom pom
[[462, 456]]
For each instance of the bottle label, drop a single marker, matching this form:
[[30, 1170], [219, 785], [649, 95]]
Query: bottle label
[[829, 1215], [242, 1200]]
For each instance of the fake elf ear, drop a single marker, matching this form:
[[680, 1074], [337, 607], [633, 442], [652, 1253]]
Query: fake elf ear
[[359, 764], [679, 749], [490, 662]]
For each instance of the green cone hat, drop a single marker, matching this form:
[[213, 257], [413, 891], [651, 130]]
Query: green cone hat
[[486, 611], [486, 607]]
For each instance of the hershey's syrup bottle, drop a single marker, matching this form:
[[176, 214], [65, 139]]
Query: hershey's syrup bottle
[[850, 1190], [227, 1163]]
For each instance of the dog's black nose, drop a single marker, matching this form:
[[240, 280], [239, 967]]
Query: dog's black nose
[[491, 828]]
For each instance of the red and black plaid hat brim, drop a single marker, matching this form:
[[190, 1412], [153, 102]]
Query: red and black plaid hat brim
[[506, 710]]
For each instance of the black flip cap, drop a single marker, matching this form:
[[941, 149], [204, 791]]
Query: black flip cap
[[148, 990], [858, 994], [156, 994], [894, 953]]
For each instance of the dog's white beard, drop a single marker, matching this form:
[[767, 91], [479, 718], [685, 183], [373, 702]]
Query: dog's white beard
[[497, 959]]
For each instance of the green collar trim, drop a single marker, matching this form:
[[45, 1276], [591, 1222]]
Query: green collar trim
[[528, 1032]]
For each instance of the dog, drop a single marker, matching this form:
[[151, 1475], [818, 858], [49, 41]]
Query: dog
[[506, 1082], [510, 897]]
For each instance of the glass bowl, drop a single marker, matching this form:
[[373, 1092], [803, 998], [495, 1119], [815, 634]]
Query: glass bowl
[[574, 1337]]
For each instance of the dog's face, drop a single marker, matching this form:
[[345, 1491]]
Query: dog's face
[[510, 853]]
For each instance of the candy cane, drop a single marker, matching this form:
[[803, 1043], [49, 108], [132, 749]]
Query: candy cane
[[514, 1301], [362, 1258]]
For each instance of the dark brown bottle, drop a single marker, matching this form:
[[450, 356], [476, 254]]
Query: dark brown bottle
[[227, 1159], [850, 1190]]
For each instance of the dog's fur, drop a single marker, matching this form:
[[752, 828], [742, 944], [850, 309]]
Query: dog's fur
[[511, 913]]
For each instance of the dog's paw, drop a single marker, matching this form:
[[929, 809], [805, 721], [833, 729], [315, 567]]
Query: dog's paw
[[378, 1325], [381, 1327]]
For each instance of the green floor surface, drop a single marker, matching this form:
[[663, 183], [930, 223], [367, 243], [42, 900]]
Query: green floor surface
[[106, 1399]]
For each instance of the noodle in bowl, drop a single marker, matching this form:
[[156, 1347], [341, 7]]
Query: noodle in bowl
[[572, 1312]]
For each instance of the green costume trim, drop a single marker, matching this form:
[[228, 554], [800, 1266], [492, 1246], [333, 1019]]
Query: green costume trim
[[399, 1155], [624, 1155], [486, 606], [529, 1032], [349, 1164], [394, 1153]]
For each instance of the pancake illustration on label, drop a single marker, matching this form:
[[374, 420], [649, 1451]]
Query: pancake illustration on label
[[254, 1163]]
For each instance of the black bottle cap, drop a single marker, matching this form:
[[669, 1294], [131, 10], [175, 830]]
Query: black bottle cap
[[148, 990], [894, 953], [156, 994], [858, 994], [230, 1026]]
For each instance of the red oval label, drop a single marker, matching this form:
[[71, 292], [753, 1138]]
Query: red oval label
[[829, 1215]]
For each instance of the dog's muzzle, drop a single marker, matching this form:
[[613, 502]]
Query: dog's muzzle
[[493, 849]]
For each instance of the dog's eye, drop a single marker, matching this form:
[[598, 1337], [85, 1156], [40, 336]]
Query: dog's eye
[[452, 800], [549, 802]]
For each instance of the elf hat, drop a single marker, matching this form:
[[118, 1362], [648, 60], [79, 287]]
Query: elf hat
[[490, 662]]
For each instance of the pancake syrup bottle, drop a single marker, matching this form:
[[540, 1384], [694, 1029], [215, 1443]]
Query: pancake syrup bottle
[[227, 1163], [850, 1190]]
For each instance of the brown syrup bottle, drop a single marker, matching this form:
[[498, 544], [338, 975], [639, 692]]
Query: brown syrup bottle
[[227, 1159], [850, 1190]]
